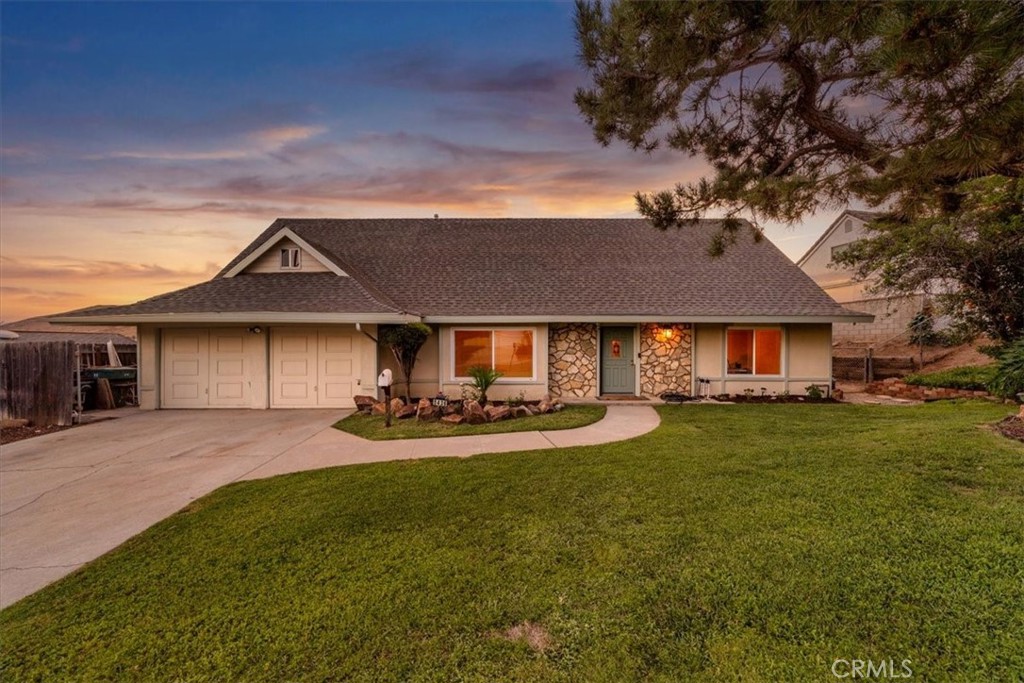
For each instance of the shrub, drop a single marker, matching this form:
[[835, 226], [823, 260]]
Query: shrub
[[483, 378], [1008, 378], [405, 342], [974, 378]]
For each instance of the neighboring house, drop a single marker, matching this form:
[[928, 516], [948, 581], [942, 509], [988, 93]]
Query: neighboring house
[[893, 314], [92, 341], [574, 307]]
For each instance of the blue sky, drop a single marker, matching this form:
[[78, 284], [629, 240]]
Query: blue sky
[[144, 144]]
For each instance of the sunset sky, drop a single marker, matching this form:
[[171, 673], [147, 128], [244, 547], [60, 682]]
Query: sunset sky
[[143, 145]]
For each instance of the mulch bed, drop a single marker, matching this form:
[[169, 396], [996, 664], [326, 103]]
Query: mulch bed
[[1012, 428], [12, 434]]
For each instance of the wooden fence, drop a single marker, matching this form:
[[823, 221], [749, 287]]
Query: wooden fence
[[868, 367], [37, 381]]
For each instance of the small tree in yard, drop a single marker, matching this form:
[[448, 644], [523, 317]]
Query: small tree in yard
[[405, 342]]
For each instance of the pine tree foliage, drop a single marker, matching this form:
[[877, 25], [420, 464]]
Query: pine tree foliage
[[806, 105], [972, 259]]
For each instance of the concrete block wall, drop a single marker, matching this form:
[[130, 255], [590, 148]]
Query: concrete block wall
[[892, 318]]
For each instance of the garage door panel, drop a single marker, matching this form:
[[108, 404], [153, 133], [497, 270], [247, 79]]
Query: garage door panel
[[338, 367], [335, 367], [205, 368], [295, 368], [336, 391], [229, 369], [313, 367], [185, 373], [336, 343], [229, 344], [185, 391], [228, 391], [185, 341], [296, 390], [292, 343], [185, 368]]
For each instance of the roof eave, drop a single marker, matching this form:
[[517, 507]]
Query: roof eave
[[728, 319], [242, 317]]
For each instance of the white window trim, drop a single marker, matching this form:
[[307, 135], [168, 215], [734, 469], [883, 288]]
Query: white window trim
[[502, 380], [783, 348], [294, 258]]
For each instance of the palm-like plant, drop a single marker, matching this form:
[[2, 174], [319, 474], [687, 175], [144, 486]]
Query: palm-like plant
[[483, 378]]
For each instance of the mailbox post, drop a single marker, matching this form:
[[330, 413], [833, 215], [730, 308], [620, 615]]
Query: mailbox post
[[384, 382]]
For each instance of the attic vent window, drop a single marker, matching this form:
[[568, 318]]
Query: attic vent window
[[291, 259], [848, 226]]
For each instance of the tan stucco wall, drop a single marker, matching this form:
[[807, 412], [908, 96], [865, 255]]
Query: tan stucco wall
[[149, 366], [270, 262], [809, 352], [807, 359]]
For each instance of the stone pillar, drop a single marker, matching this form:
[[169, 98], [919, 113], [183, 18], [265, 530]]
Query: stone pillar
[[572, 359], [665, 360]]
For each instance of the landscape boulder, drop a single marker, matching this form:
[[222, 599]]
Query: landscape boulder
[[396, 405], [497, 413], [425, 410], [453, 419], [473, 413], [379, 408], [521, 411], [544, 407], [364, 404], [405, 412]]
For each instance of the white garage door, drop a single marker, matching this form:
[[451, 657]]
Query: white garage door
[[204, 368], [313, 367]]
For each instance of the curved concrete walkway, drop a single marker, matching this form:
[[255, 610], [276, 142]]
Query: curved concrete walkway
[[333, 447], [68, 497]]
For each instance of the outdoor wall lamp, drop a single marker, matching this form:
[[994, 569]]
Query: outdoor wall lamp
[[255, 330]]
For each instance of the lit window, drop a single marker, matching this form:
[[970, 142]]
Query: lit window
[[754, 351], [510, 352], [291, 259]]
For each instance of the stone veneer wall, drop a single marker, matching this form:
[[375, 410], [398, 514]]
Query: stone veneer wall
[[572, 359], [665, 364]]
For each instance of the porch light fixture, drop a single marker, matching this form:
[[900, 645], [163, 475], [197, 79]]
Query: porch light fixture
[[255, 330]]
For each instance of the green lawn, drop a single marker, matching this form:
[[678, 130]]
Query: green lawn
[[372, 426], [733, 543]]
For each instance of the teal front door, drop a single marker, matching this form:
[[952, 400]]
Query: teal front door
[[618, 366]]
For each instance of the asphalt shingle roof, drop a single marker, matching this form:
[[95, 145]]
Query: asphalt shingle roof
[[286, 292], [514, 267]]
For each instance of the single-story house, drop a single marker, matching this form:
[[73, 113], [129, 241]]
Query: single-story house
[[570, 307]]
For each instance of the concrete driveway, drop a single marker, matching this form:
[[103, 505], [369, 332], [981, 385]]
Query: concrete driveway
[[66, 498]]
